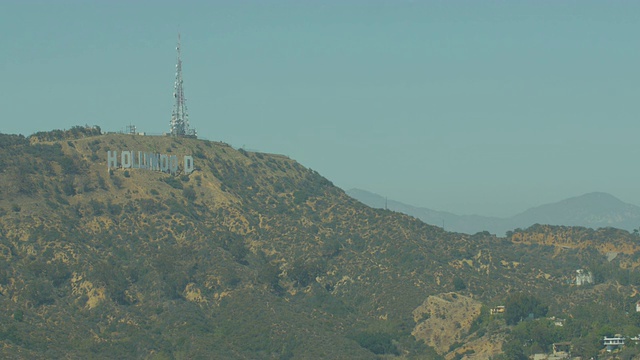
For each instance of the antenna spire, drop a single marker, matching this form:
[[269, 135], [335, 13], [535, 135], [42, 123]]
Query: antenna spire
[[180, 117]]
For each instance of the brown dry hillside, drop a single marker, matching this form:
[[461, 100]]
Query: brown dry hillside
[[604, 240], [251, 256]]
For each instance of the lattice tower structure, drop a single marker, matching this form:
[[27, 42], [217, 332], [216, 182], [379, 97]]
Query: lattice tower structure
[[180, 117]]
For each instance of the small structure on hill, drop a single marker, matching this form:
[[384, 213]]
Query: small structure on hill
[[498, 310], [562, 349], [557, 321], [549, 357], [583, 277], [613, 343]]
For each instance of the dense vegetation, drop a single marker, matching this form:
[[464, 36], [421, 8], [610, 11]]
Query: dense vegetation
[[254, 256]]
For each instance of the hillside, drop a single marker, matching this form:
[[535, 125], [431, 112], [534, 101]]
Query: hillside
[[593, 210], [253, 256]]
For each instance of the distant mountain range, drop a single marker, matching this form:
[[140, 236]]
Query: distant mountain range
[[593, 210]]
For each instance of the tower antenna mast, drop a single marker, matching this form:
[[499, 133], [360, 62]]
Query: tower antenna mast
[[180, 117]]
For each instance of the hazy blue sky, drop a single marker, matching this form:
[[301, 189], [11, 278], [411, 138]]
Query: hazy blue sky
[[485, 107]]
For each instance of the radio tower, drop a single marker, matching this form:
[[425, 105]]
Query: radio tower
[[180, 117]]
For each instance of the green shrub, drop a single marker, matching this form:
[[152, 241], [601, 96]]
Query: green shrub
[[300, 196], [189, 193], [458, 284], [97, 207], [18, 315], [173, 182], [40, 292], [68, 188], [117, 182], [378, 343]]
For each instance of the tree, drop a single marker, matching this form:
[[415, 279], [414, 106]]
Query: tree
[[513, 350], [40, 292], [458, 284], [304, 273], [377, 342], [519, 306], [587, 347]]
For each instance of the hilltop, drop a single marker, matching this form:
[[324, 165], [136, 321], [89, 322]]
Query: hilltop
[[593, 210], [254, 256]]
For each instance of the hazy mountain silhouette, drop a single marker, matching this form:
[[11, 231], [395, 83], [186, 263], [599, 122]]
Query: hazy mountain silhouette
[[593, 210]]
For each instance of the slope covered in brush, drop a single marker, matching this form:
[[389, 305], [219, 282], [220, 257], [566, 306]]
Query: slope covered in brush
[[249, 256]]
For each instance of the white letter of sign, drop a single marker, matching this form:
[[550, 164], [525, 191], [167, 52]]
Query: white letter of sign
[[152, 161], [141, 160], [188, 164], [112, 159], [135, 163], [125, 159], [173, 164], [164, 163]]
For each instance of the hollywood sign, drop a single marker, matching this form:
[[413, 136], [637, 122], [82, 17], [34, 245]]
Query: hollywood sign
[[149, 161]]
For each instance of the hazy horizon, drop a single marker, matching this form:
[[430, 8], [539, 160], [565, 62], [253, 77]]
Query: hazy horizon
[[485, 108], [418, 206]]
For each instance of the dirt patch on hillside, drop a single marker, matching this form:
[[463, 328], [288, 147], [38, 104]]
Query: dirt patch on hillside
[[444, 319], [481, 348]]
